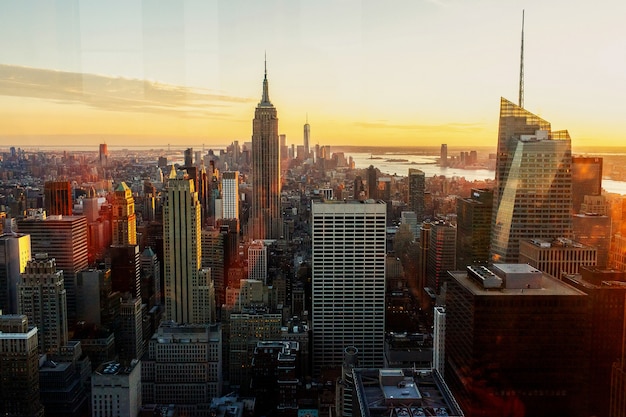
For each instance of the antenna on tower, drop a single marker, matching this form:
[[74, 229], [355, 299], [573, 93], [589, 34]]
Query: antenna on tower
[[521, 67]]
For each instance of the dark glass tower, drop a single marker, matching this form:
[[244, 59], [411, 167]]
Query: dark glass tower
[[266, 219]]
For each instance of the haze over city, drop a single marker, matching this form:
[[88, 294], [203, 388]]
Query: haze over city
[[363, 72]]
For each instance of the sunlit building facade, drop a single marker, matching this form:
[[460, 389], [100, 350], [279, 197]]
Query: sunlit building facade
[[265, 214], [533, 193]]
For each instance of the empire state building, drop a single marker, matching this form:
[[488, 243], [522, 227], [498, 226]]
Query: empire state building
[[266, 219]]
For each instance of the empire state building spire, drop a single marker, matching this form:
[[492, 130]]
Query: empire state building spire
[[265, 100]]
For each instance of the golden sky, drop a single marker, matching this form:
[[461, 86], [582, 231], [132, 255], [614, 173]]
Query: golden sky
[[420, 73]]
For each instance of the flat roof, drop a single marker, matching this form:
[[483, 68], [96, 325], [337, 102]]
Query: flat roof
[[549, 287]]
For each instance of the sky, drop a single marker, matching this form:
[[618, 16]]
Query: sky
[[364, 72]]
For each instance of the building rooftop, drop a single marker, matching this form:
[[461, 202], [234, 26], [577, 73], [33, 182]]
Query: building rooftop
[[403, 392], [116, 368], [548, 285]]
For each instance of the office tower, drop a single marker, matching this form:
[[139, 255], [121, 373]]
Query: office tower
[[19, 368], [417, 183], [473, 227], [439, 340], [182, 253], [402, 392], [247, 327], [422, 261], [513, 335], [275, 377], [348, 281], [230, 195], [594, 230], [307, 139], [151, 277], [410, 219], [443, 155], [63, 238], [96, 302], [116, 390], [586, 179], [359, 188], [606, 290], [58, 198], [103, 155], [556, 257], [63, 386], [441, 254], [129, 335], [214, 257], [183, 367], [42, 299], [14, 255], [372, 183], [257, 261], [533, 193], [265, 214], [124, 220]]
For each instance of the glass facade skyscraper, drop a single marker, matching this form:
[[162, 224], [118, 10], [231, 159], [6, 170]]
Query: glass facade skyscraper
[[533, 193]]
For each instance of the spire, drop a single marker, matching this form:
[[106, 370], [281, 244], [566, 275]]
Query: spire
[[265, 100], [521, 68]]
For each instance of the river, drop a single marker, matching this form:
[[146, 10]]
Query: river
[[399, 164]]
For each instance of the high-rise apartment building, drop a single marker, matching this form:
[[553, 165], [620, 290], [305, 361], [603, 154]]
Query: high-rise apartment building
[[473, 225], [184, 288], [515, 340], [417, 184], [58, 198], [63, 238], [348, 281], [19, 368], [42, 298], [586, 179], [14, 255], [533, 193], [265, 215], [441, 254]]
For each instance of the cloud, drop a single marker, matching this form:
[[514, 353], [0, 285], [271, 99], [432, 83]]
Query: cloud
[[454, 127], [114, 93]]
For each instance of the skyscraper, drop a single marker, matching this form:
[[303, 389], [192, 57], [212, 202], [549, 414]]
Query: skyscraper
[[124, 219], [586, 179], [417, 184], [182, 253], [372, 183], [441, 254], [512, 339], [533, 193], [348, 281], [58, 197], [265, 216], [42, 298], [230, 195], [443, 157], [473, 222], [307, 138], [63, 238], [19, 368], [14, 255]]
